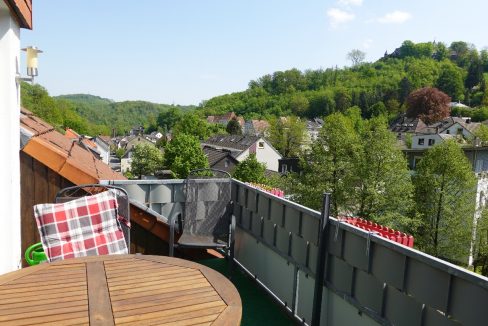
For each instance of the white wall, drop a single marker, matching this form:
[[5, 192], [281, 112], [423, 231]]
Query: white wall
[[266, 155], [415, 141], [454, 129], [10, 251]]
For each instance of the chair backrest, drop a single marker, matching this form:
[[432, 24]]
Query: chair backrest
[[74, 192], [207, 210]]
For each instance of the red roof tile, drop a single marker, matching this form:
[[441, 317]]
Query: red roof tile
[[62, 154]]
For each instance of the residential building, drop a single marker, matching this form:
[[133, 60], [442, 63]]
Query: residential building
[[241, 147], [220, 159], [313, 128], [449, 128], [224, 119], [256, 127], [128, 143], [14, 15]]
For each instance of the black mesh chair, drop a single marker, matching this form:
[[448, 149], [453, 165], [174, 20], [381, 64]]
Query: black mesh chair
[[206, 221], [74, 192]]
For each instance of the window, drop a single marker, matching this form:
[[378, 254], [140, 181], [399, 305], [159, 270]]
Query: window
[[448, 131], [459, 131], [226, 163], [421, 141], [261, 144], [283, 168], [431, 142]]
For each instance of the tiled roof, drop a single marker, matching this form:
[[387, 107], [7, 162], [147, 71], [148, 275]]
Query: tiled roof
[[216, 155], [71, 134], [61, 154], [235, 142], [404, 124]]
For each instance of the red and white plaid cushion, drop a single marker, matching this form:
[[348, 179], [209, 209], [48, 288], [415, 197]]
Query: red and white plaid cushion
[[86, 226]]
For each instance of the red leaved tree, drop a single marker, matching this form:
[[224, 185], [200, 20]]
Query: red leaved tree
[[429, 104]]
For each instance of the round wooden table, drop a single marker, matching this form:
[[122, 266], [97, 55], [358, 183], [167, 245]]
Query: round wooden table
[[119, 289]]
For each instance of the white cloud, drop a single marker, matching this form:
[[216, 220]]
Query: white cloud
[[367, 43], [395, 17], [351, 2], [338, 17]]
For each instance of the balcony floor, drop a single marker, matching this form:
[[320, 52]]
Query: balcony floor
[[257, 307]]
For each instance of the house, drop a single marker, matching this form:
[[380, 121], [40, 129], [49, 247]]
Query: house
[[449, 128], [14, 15], [313, 128], [256, 127], [103, 147], [128, 143], [241, 146], [224, 119], [403, 126], [99, 148], [220, 159]]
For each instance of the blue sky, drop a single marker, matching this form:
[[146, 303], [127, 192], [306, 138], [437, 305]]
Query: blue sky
[[186, 51]]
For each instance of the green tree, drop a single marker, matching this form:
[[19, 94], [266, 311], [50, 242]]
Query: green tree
[[192, 124], [233, 127], [450, 81], [183, 154], [168, 118], [480, 245], [119, 152], [445, 189], [329, 167], [250, 170], [146, 160], [384, 188], [287, 135], [298, 104]]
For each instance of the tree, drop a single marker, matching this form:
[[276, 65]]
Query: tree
[[429, 104], [384, 187], [450, 81], [146, 160], [192, 124], [356, 56], [445, 190], [287, 135], [183, 154], [233, 127], [480, 248], [119, 153], [168, 118], [329, 167], [250, 170], [298, 105]]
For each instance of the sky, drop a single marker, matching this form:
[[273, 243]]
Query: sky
[[187, 51]]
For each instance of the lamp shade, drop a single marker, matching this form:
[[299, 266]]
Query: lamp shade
[[32, 62]]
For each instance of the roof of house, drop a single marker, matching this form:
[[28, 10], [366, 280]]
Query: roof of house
[[22, 11], [260, 125], [235, 142], [216, 155], [71, 134], [60, 153], [441, 126], [106, 139], [405, 124]]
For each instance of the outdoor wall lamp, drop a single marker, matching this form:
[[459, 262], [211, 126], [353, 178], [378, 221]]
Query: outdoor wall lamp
[[32, 53]]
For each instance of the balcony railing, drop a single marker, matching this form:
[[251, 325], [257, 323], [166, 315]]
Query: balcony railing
[[368, 279]]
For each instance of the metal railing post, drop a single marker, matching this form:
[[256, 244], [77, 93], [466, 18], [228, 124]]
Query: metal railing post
[[321, 260]]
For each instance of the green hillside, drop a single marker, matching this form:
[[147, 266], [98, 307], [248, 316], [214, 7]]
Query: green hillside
[[377, 87]]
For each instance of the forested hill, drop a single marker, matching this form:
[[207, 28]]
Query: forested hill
[[92, 115], [379, 87], [121, 115]]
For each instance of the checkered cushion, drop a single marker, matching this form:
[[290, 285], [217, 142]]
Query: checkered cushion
[[87, 226]]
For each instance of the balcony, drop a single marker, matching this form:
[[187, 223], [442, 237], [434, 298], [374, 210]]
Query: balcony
[[368, 280]]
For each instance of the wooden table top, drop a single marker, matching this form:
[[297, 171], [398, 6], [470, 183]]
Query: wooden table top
[[119, 289]]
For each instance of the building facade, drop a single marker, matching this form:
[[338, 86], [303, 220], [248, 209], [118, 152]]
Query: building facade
[[14, 15]]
